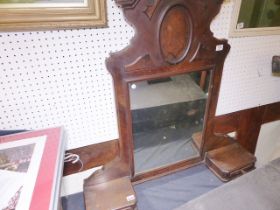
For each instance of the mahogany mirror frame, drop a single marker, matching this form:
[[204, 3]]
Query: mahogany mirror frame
[[144, 59]]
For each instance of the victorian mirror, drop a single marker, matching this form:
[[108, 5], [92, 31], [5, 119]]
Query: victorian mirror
[[166, 114], [166, 84]]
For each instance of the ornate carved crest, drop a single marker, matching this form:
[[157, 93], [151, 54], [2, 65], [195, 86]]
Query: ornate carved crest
[[168, 33]]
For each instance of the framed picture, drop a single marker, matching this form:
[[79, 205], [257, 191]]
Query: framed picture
[[18, 15], [255, 17], [31, 166]]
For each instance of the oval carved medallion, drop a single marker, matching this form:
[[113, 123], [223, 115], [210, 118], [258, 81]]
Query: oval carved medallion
[[175, 34]]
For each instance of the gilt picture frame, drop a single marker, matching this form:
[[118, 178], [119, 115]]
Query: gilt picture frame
[[261, 25], [22, 15]]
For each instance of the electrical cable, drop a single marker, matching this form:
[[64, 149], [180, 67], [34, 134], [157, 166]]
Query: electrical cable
[[73, 158]]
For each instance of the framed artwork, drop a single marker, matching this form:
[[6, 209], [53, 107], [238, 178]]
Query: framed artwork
[[255, 17], [21, 15], [31, 167]]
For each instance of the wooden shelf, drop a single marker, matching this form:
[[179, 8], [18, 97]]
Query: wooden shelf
[[230, 161], [117, 194]]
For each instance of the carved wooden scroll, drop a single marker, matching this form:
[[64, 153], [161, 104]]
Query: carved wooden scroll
[[171, 37]]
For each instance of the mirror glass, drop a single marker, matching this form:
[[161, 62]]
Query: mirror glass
[[167, 114], [259, 14]]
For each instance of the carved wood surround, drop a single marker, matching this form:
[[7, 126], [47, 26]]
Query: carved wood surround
[[171, 37]]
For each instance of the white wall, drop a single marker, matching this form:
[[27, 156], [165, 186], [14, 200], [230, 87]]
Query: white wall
[[247, 80], [59, 78], [268, 147], [56, 78]]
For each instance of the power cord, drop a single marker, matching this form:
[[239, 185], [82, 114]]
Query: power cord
[[73, 158]]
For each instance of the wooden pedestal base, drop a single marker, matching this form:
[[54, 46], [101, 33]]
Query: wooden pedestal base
[[116, 194], [230, 161]]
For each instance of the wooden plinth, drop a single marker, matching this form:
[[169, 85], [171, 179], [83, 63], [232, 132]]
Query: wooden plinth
[[230, 161], [117, 194]]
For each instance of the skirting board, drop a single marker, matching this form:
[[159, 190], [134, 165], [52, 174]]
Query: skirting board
[[91, 156]]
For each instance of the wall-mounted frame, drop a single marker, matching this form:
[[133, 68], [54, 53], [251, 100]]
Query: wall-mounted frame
[[18, 15], [255, 18]]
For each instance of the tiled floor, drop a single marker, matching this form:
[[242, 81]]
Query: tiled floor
[[165, 193]]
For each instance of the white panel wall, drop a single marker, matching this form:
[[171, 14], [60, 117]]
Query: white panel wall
[[59, 78], [247, 81], [268, 147]]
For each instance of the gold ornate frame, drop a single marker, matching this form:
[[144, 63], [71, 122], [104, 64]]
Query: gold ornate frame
[[41, 16]]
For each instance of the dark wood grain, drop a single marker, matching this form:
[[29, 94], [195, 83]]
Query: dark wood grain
[[172, 37], [112, 170], [92, 156], [111, 195], [229, 161], [163, 171], [226, 123], [246, 123], [155, 52], [102, 153], [271, 112], [249, 127]]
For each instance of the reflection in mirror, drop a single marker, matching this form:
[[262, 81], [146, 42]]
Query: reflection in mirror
[[258, 14], [166, 114]]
